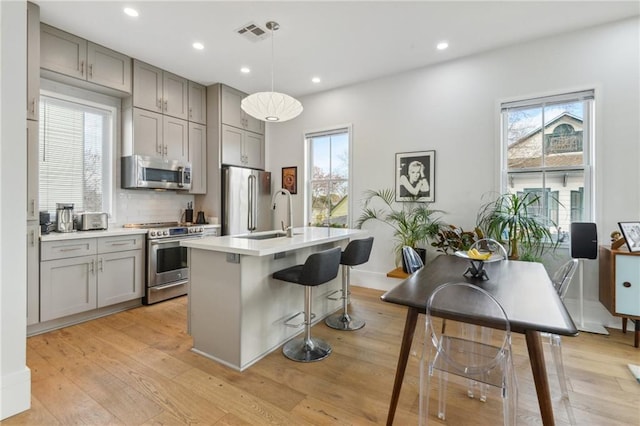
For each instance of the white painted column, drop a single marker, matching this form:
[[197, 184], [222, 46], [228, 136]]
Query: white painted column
[[15, 376]]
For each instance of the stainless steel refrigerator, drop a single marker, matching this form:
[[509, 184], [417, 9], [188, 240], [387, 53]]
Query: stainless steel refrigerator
[[246, 200]]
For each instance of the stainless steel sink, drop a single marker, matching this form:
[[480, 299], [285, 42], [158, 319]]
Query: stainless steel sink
[[263, 235]]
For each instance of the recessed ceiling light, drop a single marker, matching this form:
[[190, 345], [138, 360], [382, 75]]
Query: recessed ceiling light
[[442, 45], [197, 45], [245, 70], [315, 80], [130, 11]]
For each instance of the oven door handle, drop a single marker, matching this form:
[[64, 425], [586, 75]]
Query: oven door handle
[[166, 286], [172, 240]]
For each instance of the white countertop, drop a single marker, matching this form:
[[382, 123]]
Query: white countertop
[[115, 232], [302, 237]]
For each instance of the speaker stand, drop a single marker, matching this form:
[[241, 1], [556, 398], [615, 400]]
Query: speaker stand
[[589, 327]]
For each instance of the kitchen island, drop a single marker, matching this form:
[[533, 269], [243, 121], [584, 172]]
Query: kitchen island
[[237, 312]]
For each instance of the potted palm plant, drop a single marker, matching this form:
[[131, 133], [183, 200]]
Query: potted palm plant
[[413, 222], [511, 219]]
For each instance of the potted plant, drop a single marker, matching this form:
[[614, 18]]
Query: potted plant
[[511, 219], [455, 239], [413, 222]]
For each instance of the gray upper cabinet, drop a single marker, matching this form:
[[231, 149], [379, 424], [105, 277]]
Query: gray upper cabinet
[[160, 91], [197, 103], [72, 56], [62, 52], [33, 61], [147, 86], [232, 114], [108, 68], [198, 158]]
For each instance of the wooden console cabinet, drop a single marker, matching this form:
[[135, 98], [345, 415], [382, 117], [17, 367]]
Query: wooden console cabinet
[[620, 286]]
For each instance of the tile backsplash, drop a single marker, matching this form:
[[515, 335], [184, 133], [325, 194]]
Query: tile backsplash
[[147, 206]]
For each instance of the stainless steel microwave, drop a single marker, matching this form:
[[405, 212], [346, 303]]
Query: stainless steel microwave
[[139, 172]]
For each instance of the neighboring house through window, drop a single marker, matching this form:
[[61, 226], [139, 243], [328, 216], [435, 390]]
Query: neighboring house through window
[[76, 149], [328, 177], [548, 145]]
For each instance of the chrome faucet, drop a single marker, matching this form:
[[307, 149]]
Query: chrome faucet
[[288, 229]]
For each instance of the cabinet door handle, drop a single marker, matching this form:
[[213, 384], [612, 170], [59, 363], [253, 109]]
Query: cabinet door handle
[[33, 238], [70, 249], [159, 103], [626, 284], [33, 207], [33, 106], [165, 150], [91, 70], [190, 112], [82, 68], [165, 105], [91, 268], [100, 265]]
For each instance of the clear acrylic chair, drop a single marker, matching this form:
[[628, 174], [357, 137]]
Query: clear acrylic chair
[[561, 280], [484, 245], [490, 245], [411, 260], [456, 351]]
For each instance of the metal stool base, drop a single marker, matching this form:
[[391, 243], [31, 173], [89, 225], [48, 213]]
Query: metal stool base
[[303, 350], [342, 321]]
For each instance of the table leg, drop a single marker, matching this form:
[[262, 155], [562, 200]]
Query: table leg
[[405, 348], [636, 339], [536, 357]]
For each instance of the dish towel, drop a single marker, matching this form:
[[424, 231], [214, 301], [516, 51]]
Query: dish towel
[[635, 370]]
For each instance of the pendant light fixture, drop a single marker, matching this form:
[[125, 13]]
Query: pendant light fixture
[[271, 106]]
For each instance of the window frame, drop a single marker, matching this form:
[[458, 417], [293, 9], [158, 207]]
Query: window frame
[[328, 131], [101, 101], [588, 97]]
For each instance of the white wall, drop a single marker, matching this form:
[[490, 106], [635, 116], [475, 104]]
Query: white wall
[[453, 108], [15, 377]]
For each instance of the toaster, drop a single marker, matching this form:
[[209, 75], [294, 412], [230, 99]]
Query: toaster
[[93, 221]]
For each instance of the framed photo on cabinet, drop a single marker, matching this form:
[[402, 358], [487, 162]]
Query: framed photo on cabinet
[[415, 176], [631, 233]]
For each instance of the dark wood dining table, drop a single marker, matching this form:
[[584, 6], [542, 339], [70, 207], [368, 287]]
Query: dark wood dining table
[[524, 290]]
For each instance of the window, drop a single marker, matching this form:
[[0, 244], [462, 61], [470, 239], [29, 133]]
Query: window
[[548, 145], [328, 178], [76, 146]]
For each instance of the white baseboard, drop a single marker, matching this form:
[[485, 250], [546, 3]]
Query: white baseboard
[[375, 280], [15, 393]]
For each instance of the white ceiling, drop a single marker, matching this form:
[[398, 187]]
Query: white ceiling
[[341, 42]]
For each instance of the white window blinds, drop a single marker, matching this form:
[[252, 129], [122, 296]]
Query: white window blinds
[[75, 141]]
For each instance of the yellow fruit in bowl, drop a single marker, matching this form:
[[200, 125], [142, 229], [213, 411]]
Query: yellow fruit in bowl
[[476, 255]]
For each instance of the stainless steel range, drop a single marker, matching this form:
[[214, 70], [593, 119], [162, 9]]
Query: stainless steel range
[[167, 272]]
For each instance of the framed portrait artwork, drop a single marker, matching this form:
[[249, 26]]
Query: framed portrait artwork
[[290, 179], [415, 176], [631, 233]]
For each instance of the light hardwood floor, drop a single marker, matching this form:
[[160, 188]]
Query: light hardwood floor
[[136, 368]]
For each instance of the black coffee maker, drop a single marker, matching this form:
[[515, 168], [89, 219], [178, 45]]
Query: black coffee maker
[[45, 223]]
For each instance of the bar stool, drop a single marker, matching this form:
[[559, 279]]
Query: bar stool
[[356, 253], [319, 268]]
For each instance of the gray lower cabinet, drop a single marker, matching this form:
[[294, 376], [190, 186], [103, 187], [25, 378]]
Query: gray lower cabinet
[[83, 274], [119, 277], [67, 287]]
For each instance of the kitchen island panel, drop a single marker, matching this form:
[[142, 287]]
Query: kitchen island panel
[[238, 311]]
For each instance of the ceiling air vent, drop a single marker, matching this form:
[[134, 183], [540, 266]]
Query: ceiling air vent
[[252, 32]]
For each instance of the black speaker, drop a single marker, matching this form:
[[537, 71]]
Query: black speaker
[[584, 240]]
